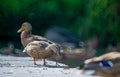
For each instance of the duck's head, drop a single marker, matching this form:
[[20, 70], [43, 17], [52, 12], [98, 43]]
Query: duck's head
[[26, 27]]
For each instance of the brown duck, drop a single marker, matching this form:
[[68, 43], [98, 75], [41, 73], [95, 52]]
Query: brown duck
[[109, 72], [41, 50], [104, 57], [26, 34], [106, 65], [37, 47]]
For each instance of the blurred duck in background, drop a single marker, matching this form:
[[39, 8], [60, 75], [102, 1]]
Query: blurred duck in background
[[73, 50], [109, 72], [8, 50], [11, 50], [113, 56], [76, 56], [98, 65]]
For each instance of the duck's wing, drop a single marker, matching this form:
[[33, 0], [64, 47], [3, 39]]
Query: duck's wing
[[40, 38], [104, 57]]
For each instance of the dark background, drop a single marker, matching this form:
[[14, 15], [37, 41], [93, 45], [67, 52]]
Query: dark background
[[83, 18]]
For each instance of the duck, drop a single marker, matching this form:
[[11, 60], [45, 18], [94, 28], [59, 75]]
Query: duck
[[27, 36], [105, 57], [12, 51], [109, 72], [99, 64], [9, 50], [41, 50], [76, 56]]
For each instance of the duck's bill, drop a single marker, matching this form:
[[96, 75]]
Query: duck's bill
[[20, 30]]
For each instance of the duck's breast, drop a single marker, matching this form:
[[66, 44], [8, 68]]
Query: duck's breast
[[38, 50]]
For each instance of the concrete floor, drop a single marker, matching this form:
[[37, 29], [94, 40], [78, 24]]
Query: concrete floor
[[23, 67]]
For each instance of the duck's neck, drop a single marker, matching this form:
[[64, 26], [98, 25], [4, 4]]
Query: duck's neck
[[26, 34]]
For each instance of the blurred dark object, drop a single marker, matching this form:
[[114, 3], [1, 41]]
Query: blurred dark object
[[62, 36], [8, 38], [111, 48], [91, 43]]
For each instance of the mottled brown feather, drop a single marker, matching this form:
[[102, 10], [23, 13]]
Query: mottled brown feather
[[41, 49]]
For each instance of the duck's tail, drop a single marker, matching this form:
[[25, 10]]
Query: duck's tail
[[50, 42]]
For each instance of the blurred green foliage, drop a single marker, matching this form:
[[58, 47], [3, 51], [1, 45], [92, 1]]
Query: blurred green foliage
[[85, 18]]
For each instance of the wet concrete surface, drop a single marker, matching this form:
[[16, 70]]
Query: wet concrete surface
[[23, 67]]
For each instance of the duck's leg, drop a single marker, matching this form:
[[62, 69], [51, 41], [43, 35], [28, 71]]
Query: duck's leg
[[34, 60], [57, 64], [44, 62]]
